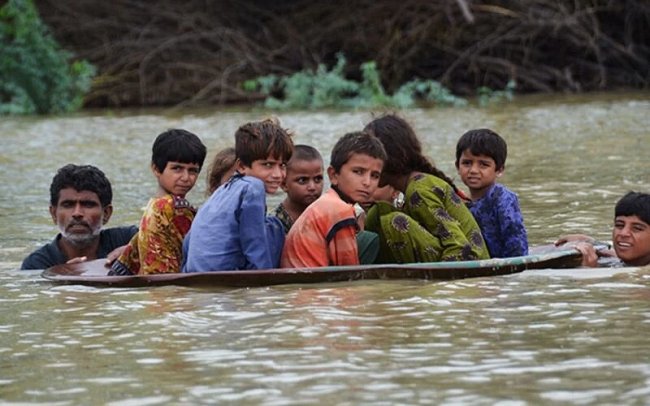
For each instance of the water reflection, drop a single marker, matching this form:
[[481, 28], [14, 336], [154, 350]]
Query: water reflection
[[562, 336], [536, 337]]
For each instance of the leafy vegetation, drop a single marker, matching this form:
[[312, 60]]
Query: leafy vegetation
[[36, 75], [488, 96], [329, 88]]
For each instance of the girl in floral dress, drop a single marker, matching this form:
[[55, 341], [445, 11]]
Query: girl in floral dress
[[435, 223], [177, 157]]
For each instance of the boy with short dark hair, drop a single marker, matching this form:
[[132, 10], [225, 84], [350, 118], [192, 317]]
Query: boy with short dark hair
[[630, 235], [303, 184], [177, 157], [480, 161], [231, 230], [325, 233]]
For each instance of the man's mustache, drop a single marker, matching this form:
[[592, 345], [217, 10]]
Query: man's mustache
[[78, 223]]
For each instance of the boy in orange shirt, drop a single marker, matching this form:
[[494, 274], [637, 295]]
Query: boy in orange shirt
[[325, 233]]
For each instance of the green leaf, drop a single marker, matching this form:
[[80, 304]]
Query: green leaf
[[37, 75]]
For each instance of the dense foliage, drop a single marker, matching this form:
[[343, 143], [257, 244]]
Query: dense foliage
[[196, 52], [323, 88], [36, 75]]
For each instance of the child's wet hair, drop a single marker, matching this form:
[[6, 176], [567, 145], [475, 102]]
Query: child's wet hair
[[306, 153], [222, 162], [405, 148], [486, 142], [634, 204], [259, 139], [360, 142], [177, 145]]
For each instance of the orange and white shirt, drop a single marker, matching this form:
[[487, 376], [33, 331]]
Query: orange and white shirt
[[323, 235]]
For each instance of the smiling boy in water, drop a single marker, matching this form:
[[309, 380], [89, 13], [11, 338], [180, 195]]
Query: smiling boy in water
[[480, 161], [630, 235], [325, 233], [231, 230], [303, 184], [177, 157]]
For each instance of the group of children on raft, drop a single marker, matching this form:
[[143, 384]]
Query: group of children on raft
[[368, 169]]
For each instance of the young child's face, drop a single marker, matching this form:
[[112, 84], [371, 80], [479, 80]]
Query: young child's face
[[358, 177], [478, 172], [631, 237], [177, 178], [304, 181], [271, 171]]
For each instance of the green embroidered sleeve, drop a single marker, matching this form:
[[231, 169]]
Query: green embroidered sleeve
[[435, 206]]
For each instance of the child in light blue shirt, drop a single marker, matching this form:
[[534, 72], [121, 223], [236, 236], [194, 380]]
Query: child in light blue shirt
[[231, 230]]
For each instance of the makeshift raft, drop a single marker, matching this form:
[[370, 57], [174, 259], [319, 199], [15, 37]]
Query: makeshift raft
[[94, 273]]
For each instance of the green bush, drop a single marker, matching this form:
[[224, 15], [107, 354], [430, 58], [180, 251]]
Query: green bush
[[307, 89], [36, 75], [488, 96], [323, 88]]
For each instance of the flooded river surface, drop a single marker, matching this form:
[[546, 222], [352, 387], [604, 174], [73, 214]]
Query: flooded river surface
[[551, 336]]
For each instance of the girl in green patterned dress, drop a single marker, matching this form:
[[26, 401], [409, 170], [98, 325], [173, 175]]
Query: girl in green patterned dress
[[434, 224]]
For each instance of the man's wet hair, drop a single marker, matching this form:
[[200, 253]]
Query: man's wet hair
[[177, 145], [259, 139], [306, 153], [360, 142], [81, 178], [483, 142], [634, 204]]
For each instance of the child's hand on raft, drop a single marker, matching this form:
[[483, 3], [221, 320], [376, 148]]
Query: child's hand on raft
[[589, 254], [113, 255], [573, 238]]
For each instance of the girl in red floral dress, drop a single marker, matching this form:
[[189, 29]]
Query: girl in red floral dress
[[157, 247]]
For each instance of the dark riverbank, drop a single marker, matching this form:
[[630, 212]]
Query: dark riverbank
[[198, 52]]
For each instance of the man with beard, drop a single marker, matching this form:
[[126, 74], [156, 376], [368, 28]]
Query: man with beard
[[80, 204]]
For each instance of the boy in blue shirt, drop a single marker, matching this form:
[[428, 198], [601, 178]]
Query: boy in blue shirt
[[480, 161], [231, 230]]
